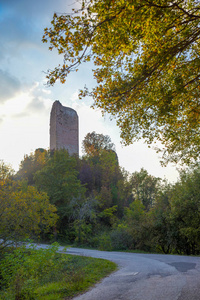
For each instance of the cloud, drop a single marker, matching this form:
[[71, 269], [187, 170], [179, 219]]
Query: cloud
[[36, 104], [34, 101], [9, 86], [21, 115], [1, 120], [39, 98]]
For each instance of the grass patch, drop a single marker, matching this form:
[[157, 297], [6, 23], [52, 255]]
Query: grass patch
[[80, 273], [45, 274]]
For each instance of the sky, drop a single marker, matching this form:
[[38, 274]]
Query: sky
[[26, 100]]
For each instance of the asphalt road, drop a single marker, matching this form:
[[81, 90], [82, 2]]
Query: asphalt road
[[145, 277]]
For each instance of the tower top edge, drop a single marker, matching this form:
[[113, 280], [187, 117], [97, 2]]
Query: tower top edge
[[66, 108]]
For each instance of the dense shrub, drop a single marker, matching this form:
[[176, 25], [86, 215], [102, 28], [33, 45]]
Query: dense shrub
[[121, 239]]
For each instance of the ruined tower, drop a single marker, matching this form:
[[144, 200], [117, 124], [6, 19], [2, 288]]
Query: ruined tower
[[64, 128]]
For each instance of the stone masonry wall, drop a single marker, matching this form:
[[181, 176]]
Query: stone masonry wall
[[64, 129]]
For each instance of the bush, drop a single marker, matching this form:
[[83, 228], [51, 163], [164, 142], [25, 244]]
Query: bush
[[22, 269], [121, 239], [30, 274], [105, 242]]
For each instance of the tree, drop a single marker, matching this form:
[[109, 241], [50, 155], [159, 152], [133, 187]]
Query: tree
[[85, 218], [24, 212], [109, 167], [31, 164], [162, 229], [103, 161], [100, 164], [111, 177], [6, 172], [134, 219], [185, 214], [59, 180], [86, 176], [145, 187], [94, 143], [146, 66]]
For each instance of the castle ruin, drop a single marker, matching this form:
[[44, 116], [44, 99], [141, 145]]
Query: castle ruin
[[64, 130]]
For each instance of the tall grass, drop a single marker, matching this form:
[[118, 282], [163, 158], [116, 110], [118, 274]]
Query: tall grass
[[45, 274]]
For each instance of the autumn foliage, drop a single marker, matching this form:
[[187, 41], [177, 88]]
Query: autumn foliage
[[146, 67], [24, 212]]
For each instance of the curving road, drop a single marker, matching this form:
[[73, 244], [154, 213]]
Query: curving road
[[145, 277]]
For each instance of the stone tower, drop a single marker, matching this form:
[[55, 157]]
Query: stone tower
[[64, 128]]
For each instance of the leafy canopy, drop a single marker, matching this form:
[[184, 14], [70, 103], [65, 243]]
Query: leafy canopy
[[24, 212], [59, 180], [146, 66], [94, 143], [31, 164]]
